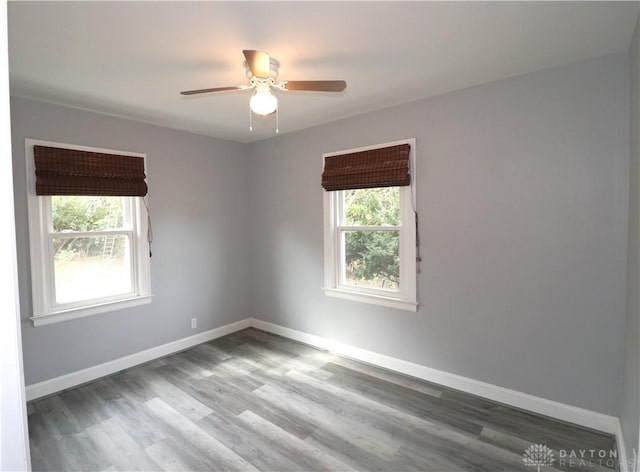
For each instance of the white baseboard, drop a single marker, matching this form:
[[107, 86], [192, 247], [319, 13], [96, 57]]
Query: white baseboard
[[624, 466], [79, 377], [627, 463], [542, 406]]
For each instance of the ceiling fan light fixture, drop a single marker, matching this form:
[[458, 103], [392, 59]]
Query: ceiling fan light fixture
[[263, 102]]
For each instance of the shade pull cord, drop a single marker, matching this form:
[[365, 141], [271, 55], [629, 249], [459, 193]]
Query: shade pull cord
[[418, 258], [415, 212], [149, 228]]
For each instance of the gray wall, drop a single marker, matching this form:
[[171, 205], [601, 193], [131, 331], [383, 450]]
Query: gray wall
[[522, 195], [200, 263], [630, 404]]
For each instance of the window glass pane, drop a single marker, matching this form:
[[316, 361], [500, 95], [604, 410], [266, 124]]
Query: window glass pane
[[372, 206], [81, 213], [91, 267], [372, 259]]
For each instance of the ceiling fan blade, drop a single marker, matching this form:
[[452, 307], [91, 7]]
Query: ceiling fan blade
[[258, 62], [315, 85], [215, 89]]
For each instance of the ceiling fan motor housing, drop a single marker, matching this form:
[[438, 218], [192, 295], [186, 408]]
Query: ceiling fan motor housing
[[274, 65]]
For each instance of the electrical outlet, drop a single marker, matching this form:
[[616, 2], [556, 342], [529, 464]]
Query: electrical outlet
[[194, 323]]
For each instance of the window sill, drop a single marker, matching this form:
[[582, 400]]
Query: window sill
[[75, 313], [388, 302]]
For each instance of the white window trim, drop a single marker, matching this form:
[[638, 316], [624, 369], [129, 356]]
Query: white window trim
[[406, 298], [44, 310]]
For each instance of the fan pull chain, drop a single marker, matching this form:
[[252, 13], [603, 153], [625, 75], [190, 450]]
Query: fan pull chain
[[277, 123], [250, 119]]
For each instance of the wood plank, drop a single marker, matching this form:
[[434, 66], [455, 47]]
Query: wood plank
[[120, 449], [305, 456], [207, 449]]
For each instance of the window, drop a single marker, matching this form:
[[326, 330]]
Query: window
[[89, 253], [370, 225]]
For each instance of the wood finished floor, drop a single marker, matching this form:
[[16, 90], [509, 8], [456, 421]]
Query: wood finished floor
[[254, 401]]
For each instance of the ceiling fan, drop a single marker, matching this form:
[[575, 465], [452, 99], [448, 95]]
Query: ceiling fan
[[262, 72]]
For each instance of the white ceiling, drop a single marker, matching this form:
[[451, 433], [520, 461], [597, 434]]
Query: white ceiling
[[131, 59]]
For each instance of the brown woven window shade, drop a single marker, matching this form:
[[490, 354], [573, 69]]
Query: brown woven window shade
[[382, 167], [70, 172]]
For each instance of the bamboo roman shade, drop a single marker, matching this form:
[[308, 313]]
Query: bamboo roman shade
[[71, 172], [382, 167]]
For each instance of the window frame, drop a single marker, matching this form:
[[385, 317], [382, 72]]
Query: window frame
[[41, 235], [406, 297]]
